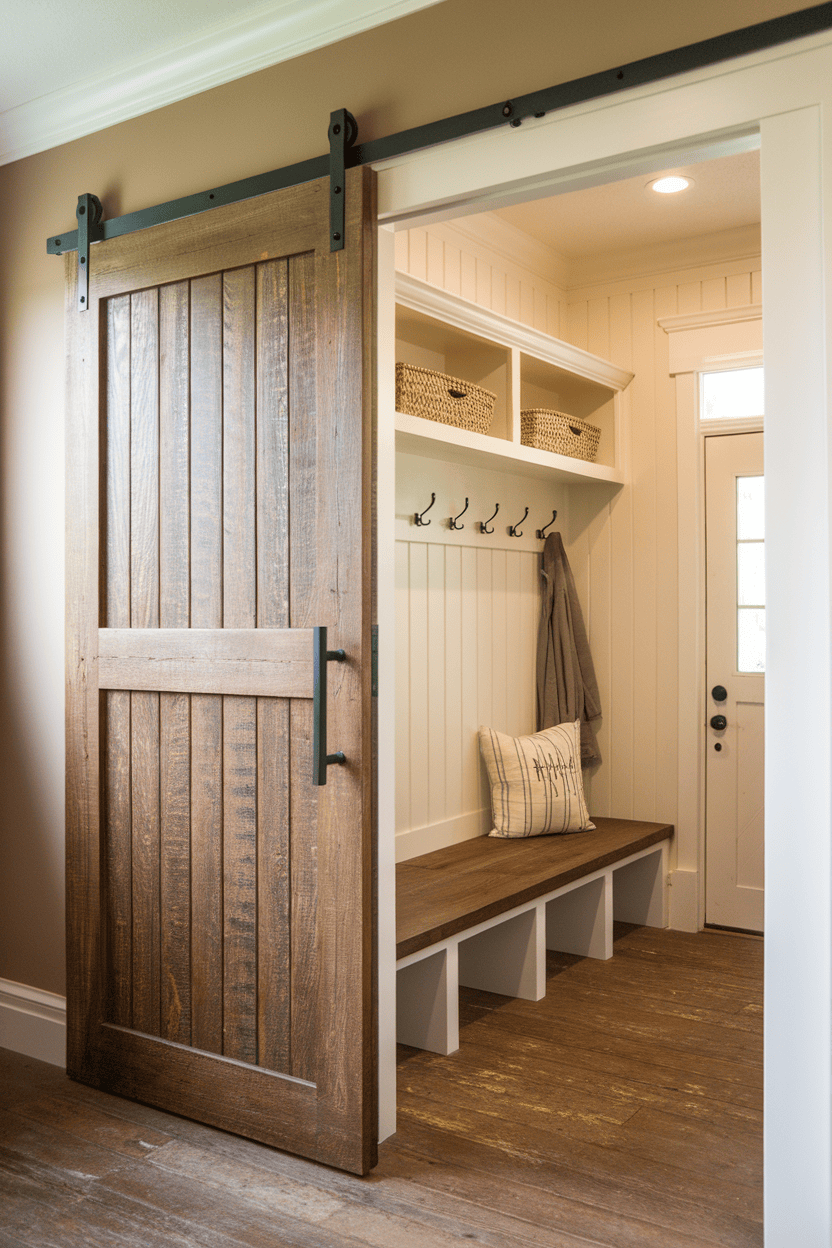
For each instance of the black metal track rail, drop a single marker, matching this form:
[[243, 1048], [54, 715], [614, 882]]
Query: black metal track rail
[[736, 43]]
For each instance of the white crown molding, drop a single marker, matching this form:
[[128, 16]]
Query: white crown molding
[[33, 1022], [721, 316], [276, 32]]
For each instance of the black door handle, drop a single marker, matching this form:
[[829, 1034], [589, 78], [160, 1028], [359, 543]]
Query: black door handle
[[719, 693], [719, 722], [320, 657]]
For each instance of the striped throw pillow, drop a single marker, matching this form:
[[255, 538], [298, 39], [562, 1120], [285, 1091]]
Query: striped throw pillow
[[536, 781]]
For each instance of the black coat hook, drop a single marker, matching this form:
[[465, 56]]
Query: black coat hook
[[542, 532], [514, 529], [485, 523], [418, 518], [452, 522]]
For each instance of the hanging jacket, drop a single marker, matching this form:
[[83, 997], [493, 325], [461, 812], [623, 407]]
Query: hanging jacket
[[566, 685]]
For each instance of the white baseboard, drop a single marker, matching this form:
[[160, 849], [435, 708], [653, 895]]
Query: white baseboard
[[33, 1022], [432, 836], [683, 898]]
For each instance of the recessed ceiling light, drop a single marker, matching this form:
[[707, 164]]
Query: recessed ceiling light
[[669, 186]]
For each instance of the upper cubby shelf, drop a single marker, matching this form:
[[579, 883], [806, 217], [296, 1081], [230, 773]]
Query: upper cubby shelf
[[523, 367]]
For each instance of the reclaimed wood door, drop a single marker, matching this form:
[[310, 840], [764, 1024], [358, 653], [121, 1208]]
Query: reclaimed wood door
[[221, 913]]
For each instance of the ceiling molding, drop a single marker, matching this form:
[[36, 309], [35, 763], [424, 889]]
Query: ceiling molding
[[274, 33], [602, 268], [719, 316]]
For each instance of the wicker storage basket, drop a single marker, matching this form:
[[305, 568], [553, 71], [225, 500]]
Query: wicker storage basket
[[555, 431], [434, 396]]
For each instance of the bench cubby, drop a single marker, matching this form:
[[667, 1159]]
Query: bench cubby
[[619, 872]]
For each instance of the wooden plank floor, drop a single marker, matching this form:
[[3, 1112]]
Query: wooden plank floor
[[622, 1111]]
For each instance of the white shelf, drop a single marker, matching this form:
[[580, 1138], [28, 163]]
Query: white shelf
[[524, 368], [433, 440]]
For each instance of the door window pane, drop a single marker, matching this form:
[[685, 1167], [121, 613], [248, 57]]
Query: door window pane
[[728, 395], [751, 639], [750, 508], [751, 574]]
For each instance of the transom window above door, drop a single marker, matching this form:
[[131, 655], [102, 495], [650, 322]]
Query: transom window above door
[[731, 394]]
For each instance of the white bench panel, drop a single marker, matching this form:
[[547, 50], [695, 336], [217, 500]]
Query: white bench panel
[[509, 958], [580, 921], [427, 1002]]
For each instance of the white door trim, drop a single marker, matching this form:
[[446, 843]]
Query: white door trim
[[698, 344], [782, 94]]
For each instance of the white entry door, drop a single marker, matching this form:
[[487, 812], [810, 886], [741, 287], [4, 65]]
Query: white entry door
[[735, 623]]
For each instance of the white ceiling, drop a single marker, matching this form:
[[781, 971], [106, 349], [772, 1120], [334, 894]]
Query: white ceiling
[[67, 70], [623, 216]]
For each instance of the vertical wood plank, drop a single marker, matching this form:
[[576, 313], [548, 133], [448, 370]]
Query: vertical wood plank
[[483, 283], [239, 714], [419, 712], [453, 682], [206, 710], [757, 286], [418, 262], [500, 640], [667, 568], [468, 277], [526, 302], [513, 296], [435, 260], [485, 660], [115, 726], [738, 290], [146, 862], [273, 742], [436, 673], [402, 245], [118, 873], [498, 291], [175, 866], [471, 715], [576, 324], [144, 460], [713, 294], [598, 327], [174, 710], [453, 266], [644, 555], [514, 675], [529, 623], [403, 818], [689, 297], [206, 873], [621, 709], [144, 613], [306, 610], [239, 796]]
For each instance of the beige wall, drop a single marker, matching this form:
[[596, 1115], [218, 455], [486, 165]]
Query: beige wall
[[456, 56]]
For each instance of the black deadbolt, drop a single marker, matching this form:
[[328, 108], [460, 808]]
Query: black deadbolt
[[719, 722], [719, 693]]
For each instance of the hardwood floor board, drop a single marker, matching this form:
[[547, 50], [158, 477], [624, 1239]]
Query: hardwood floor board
[[606, 1192], [557, 1147], [600, 1117], [205, 1207], [551, 1076], [601, 1043], [340, 1205], [473, 1181], [93, 1124], [55, 1148]]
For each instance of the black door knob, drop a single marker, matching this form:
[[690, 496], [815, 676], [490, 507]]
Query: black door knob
[[719, 693], [719, 722]]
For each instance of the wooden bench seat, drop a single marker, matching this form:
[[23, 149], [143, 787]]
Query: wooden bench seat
[[483, 913]]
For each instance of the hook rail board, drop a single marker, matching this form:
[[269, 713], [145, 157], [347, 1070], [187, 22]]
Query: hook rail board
[[345, 152]]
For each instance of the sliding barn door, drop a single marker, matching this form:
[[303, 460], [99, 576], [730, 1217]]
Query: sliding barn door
[[220, 904]]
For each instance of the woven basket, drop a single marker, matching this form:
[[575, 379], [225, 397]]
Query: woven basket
[[555, 431], [435, 396]]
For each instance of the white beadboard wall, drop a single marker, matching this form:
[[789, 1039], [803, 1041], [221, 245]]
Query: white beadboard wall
[[467, 608], [622, 545]]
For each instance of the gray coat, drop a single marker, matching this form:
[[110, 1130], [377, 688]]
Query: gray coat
[[566, 686]]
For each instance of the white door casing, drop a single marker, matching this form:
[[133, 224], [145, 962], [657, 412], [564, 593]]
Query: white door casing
[[734, 755], [781, 94]]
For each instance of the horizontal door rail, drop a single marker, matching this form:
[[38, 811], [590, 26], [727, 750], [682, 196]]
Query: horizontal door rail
[[249, 662], [754, 38]]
